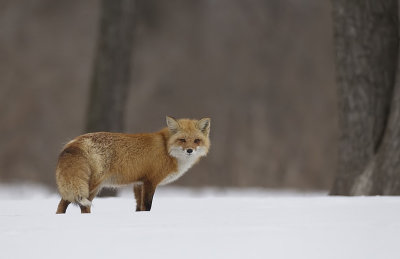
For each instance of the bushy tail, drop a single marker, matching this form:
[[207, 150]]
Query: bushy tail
[[72, 176], [73, 188]]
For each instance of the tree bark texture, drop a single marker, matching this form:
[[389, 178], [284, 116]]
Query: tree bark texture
[[385, 178], [111, 74], [366, 42], [112, 66]]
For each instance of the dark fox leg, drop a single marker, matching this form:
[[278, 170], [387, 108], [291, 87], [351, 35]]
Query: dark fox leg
[[138, 191], [148, 193], [62, 206], [84, 209]]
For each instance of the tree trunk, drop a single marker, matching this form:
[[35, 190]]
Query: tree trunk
[[366, 41], [111, 74], [112, 66], [386, 174]]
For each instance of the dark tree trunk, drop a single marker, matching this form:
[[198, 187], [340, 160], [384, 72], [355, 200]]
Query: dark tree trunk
[[112, 66], [386, 174], [111, 74], [366, 41]]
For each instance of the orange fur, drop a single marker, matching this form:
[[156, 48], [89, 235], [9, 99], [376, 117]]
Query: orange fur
[[95, 160]]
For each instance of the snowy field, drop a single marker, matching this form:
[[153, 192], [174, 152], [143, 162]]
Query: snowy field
[[201, 224]]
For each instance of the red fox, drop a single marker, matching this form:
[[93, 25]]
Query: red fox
[[103, 159]]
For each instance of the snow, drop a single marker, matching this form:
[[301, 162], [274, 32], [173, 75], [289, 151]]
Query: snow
[[200, 224]]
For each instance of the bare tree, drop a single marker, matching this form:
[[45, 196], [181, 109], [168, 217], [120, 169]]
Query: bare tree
[[112, 66], [366, 40]]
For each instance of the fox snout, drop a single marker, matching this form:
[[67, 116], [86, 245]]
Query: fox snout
[[187, 152]]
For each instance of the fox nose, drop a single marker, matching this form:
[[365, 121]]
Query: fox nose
[[189, 150]]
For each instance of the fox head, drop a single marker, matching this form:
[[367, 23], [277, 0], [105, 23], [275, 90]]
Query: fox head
[[188, 138]]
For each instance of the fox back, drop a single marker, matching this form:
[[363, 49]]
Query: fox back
[[104, 159]]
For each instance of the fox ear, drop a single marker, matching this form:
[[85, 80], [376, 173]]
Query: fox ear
[[172, 124], [204, 125]]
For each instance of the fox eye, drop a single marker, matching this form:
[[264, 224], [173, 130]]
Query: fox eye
[[182, 140], [197, 141]]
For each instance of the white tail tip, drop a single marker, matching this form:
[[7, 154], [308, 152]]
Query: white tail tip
[[85, 202]]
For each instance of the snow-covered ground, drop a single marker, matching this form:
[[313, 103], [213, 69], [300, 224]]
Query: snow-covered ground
[[201, 224]]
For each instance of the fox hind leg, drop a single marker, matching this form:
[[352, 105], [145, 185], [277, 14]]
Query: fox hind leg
[[84, 209], [62, 206]]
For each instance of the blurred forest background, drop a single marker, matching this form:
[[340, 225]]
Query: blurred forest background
[[262, 70]]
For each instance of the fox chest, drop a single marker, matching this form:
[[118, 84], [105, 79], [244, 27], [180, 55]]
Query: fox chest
[[183, 166]]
